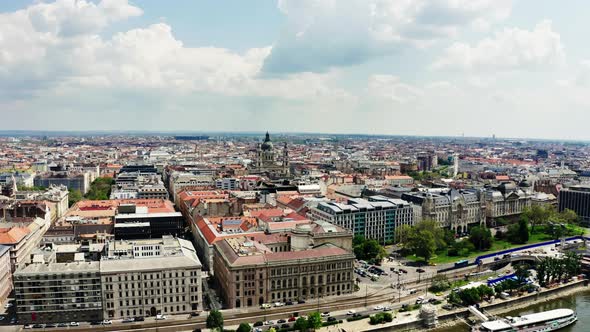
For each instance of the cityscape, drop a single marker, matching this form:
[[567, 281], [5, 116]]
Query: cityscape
[[294, 165]]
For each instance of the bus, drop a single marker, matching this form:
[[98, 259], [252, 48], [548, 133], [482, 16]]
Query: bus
[[462, 263]]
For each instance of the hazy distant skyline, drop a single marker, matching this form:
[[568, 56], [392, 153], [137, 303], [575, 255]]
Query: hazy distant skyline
[[398, 67]]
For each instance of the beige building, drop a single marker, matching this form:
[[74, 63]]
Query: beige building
[[298, 265], [149, 277], [5, 273], [506, 201]]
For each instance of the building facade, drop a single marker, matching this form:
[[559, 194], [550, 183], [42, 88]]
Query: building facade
[[5, 273], [505, 201], [451, 208], [58, 292], [376, 218], [132, 278], [150, 277], [577, 199], [251, 273]]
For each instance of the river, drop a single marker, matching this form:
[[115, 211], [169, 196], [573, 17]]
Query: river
[[580, 302]]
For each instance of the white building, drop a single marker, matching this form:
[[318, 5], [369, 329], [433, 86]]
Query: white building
[[227, 184], [376, 218]]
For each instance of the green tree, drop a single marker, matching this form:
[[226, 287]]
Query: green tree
[[314, 321], [439, 283], [569, 217], [523, 230], [403, 233], [368, 249], [300, 324], [434, 228], [422, 244], [244, 327], [215, 320], [522, 273], [74, 196], [537, 215], [481, 238]]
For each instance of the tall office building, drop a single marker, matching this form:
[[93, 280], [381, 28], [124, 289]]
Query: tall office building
[[577, 199], [376, 218]]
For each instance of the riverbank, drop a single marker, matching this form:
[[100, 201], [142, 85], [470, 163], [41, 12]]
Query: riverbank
[[448, 319]]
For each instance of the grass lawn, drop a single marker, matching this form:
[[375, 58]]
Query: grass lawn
[[498, 245]]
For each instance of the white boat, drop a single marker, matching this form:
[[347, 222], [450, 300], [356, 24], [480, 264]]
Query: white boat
[[551, 320]]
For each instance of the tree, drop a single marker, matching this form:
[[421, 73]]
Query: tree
[[368, 249], [434, 228], [422, 244], [537, 215], [522, 273], [244, 327], [74, 197], [215, 320], [518, 233], [569, 217], [439, 283], [403, 233], [300, 324], [481, 238], [314, 321]]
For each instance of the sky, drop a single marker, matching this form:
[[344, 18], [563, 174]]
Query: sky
[[510, 68]]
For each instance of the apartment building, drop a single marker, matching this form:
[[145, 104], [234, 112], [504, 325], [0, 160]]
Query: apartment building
[[58, 292], [374, 218], [5, 273], [150, 277]]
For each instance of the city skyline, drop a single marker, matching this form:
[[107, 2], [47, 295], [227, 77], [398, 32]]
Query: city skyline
[[422, 68]]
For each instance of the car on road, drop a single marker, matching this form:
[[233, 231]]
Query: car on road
[[301, 302], [62, 325], [285, 326], [39, 326], [289, 303], [386, 308], [13, 320], [281, 321], [379, 308], [403, 271], [161, 317], [279, 304], [350, 312], [325, 314], [50, 326], [257, 329], [128, 320], [269, 322], [195, 313], [139, 319], [258, 323], [292, 319], [331, 319], [8, 305], [265, 306], [420, 270], [28, 327], [74, 324], [107, 322]]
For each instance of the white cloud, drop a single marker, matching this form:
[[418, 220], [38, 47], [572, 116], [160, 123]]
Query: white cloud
[[322, 34], [511, 48], [57, 46]]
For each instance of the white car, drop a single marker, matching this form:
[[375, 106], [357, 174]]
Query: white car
[[8, 305], [379, 308], [128, 320], [279, 304], [325, 314], [74, 324], [269, 322], [107, 322], [28, 327], [350, 312], [160, 317]]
